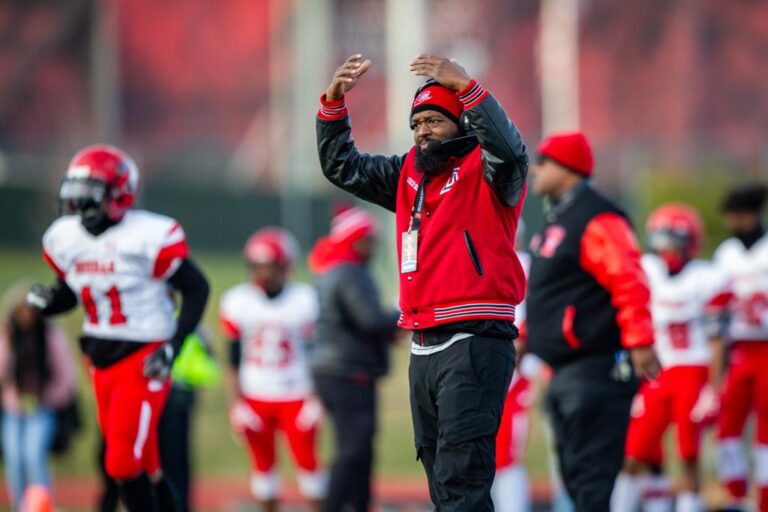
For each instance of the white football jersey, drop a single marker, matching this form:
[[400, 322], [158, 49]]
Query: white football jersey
[[120, 275], [748, 272], [679, 307], [274, 334]]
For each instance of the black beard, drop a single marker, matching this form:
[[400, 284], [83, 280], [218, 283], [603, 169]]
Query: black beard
[[432, 162]]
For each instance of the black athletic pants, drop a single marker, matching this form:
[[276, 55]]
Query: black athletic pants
[[351, 405], [589, 411], [174, 433], [457, 397]]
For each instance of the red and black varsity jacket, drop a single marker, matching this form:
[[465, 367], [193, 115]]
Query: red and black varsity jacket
[[587, 291], [467, 267]]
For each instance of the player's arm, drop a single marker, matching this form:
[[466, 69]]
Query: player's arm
[[232, 336], [717, 364], [610, 253], [505, 157], [241, 416], [57, 298], [193, 287], [373, 178], [52, 300], [716, 321], [235, 356]]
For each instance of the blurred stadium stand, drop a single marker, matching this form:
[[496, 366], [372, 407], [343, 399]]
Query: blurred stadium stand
[[190, 86]]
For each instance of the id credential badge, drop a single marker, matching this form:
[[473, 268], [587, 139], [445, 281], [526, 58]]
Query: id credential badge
[[410, 248], [410, 241]]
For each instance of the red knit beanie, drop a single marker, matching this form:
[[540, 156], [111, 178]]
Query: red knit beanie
[[571, 150], [350, 224], [433, 96]]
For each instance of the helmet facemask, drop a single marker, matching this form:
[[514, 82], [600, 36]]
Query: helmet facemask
[[88, 198], [672, 246]]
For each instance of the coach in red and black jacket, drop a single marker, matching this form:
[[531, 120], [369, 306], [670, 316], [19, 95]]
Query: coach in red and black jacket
[[457, 196], [588, 318]]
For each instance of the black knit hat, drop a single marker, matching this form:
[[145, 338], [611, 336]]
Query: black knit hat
[[746, 198]]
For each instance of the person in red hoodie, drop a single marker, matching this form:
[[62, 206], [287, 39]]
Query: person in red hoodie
[[457, 195], [350, 353]]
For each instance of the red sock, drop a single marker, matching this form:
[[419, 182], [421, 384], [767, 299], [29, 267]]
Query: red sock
[[737, 489], [763, 499]]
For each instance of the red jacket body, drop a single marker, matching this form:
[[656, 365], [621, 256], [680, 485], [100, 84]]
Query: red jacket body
[[467, 265]]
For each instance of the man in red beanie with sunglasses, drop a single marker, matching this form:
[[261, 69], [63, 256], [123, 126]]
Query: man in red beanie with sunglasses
[[457, 196], [588, 318]]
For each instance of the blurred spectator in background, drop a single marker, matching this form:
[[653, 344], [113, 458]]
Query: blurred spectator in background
[[588, 305], [193, 369], [38, 378], [744, 259], [354, 334], [688, 297], [268, 322]]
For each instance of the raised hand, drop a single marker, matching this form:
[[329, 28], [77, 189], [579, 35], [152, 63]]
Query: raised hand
[[447, 72], [346, 76]]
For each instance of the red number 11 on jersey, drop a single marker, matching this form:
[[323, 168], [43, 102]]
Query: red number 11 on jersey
[[115, 318]]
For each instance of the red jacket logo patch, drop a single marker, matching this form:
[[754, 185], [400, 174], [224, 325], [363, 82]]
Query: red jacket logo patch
[[553, 237], [451, 181]]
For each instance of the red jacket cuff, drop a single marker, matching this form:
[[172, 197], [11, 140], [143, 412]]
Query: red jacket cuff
[[640, 336], [473, 94], [332, 110]]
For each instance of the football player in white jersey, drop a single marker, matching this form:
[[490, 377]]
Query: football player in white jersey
[[268, 322], [744, 258], [688, 298], [121, 264]]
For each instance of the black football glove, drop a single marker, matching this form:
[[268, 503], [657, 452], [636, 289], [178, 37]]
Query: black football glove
[[39, 296], [158, 364]]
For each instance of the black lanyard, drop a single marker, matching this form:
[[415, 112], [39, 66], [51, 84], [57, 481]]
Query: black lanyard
[[418, 206]]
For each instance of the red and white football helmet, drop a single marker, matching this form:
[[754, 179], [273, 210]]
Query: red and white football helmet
[[271, 245], [675, 228], [101, 180]]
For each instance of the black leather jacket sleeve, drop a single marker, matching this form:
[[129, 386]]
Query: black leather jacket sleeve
[[505, 157], [372, 178], [360, 301]]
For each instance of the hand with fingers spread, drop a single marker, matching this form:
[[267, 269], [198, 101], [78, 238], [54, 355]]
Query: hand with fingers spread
[[346, 76], [446, 71]]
